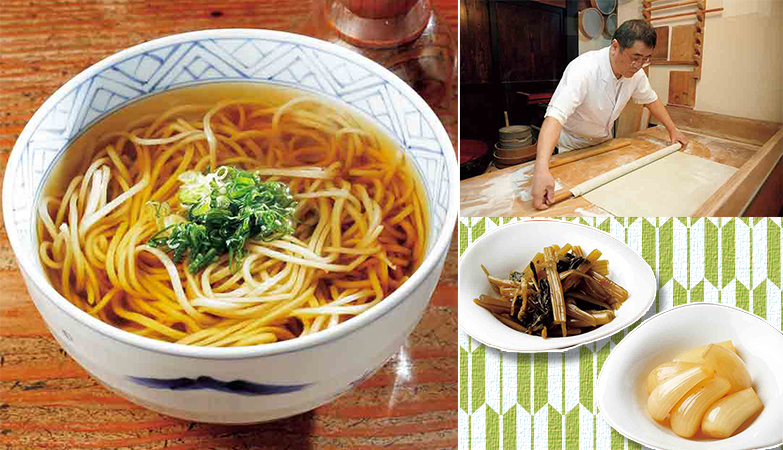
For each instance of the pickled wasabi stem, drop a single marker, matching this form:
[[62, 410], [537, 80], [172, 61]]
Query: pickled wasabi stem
[[601, 317], [508, 292], [688, 412], [556, 289], [575, 312], [695, 354], [666, 371], [727, 414], [537, 260], [509, 323], [729, 366], [617, 292], [501, 283], [667, 394], [574, 323], [588, 299], [601, 267], [535, 296], [491, 306], [593, 256], [569, 283]]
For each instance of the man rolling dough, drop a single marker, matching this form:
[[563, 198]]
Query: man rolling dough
[[592, 93]]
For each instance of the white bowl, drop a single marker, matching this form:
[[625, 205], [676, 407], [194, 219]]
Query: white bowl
[[512, 246], [251, 384], [622, 393]]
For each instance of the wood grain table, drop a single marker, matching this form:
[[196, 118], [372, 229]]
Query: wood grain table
[[48, 401]]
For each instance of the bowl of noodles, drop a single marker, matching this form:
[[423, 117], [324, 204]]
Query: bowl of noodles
[[231, 226]]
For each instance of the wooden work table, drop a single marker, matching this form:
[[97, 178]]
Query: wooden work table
[[756, 153], [48, 401]]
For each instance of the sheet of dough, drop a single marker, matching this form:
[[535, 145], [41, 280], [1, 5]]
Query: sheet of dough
[[600, 180], [672, 186]]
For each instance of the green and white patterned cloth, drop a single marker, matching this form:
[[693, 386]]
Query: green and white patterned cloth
[[546, 400]]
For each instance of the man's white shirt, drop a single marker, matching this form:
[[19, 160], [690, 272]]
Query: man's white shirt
[[589, 98]]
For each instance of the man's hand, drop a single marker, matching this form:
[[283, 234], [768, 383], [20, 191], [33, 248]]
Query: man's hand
[[543, 183], [543, 188], [677, 136], [659, 112]]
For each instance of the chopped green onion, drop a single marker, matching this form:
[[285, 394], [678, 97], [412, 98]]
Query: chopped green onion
[[225, 208]]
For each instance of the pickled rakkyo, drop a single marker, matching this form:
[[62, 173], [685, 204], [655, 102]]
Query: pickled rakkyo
[[727, 414], [666, 394], [707, 387], [688, 412]]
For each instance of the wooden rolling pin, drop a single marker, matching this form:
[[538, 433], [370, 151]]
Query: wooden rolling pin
[[671, 5], [672, 16], [561, 195], [582, 155], [600, 180]]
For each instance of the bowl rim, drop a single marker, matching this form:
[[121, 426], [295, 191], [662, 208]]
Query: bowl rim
[[598, 390], [438, 248], [568, 347]]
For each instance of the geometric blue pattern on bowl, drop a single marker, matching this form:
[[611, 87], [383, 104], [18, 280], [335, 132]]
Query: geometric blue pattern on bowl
[[241, 387], [163, 66]]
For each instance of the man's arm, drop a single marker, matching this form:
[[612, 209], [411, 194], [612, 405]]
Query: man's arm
[[570, 93], [543, 181], [659, 112]]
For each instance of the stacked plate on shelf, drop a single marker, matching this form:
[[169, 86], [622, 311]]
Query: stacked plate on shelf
[[515, 146]]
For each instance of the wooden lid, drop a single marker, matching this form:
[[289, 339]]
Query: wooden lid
[[514, 143], [514, 132]]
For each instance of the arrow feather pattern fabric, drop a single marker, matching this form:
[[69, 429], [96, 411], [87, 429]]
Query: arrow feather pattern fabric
[[546, 400]]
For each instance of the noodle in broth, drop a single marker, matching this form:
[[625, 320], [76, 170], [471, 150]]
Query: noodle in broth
[[359, 224]]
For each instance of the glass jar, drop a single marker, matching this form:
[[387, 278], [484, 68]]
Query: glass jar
[[405, 36]]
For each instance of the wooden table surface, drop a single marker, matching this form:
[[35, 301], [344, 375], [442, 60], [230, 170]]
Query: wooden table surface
[[49, 401], [507, 192]]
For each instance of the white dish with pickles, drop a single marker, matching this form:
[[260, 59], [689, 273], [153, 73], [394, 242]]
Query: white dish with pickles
[[701, 376]]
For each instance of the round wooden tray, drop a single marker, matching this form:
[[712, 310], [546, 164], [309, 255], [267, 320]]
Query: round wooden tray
[[606, 7], [610, 25], [510, 161], [526, 150], [514, 143], [591, 22]]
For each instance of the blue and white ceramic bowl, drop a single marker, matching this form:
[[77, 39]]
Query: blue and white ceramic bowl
[[233, 385]]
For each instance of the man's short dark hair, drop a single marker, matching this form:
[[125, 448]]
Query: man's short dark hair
[[635, 30]]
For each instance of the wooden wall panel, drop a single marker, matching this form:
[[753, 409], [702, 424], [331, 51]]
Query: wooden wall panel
[[682, 88], [519, 112], [556, 3], [475, 51], [509, 46], [481, 112], [661, 50], [530, 42], [682, 43]]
